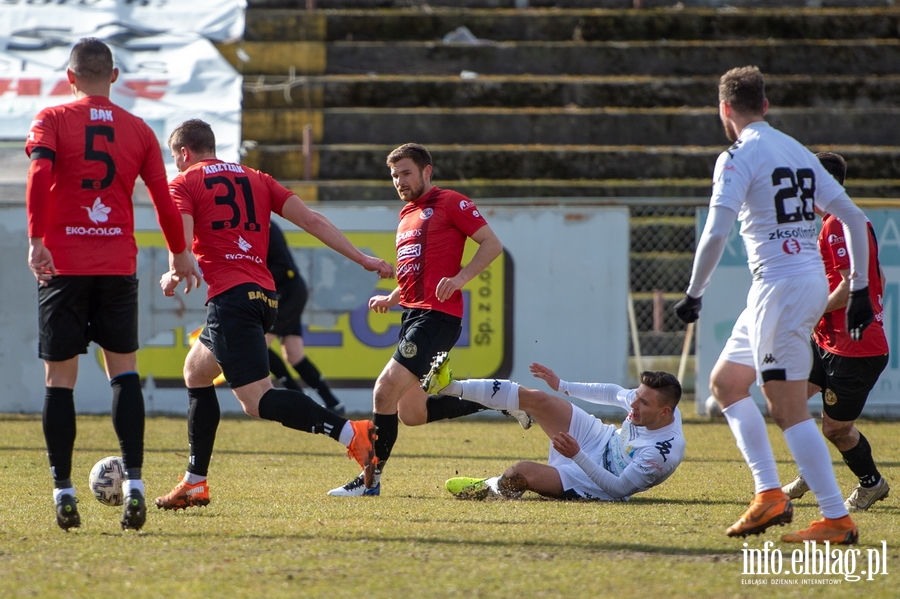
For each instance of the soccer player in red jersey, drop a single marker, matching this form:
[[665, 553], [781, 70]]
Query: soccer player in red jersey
[[85, 158], [843, 370], [226, 209], [431, 237]]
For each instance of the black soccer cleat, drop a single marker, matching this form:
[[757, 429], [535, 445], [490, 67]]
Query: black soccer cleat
[[67, 512], [135, 513]]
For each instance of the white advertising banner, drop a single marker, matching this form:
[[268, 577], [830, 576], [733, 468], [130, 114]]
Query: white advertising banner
[[31, 21], [164, 79], [726, 296]]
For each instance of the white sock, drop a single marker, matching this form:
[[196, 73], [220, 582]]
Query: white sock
[[454, 388], [749, 429], [57, 493], [192, 479], [810, 451], [346, 434], [132, 483], [493, 393]]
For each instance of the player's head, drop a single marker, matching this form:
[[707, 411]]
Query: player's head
[[655, 399], [834, 164], [742, 98], [192, 141], [91, 63], [411, 170]]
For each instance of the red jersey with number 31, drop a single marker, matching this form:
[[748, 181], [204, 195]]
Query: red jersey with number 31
[[100, 149], [831, 332], [431, 238], [230, 204]]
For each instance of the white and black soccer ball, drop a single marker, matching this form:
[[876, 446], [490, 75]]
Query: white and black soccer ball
[[713, 409], [106, 480]]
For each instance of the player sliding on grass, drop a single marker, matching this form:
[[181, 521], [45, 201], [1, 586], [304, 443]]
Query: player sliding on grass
[[588, 459], [226, 208]]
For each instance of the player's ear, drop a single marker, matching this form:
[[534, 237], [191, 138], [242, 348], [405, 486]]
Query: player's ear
[[115, 75], [70, 76], [427, 172]]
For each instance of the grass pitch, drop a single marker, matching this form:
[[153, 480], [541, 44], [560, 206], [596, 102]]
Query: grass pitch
[[270, 530]]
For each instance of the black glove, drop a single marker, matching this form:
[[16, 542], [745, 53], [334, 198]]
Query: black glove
[[859, 313], [688, 309]]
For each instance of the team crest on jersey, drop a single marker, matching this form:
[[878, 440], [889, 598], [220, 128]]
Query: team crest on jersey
[[427, 213], [407, 349], [830, 397], [465, 205]]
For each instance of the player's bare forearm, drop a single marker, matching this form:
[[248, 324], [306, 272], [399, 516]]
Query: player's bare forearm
[[837, 299]]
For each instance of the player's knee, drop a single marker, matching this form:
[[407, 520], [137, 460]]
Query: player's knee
[[835, 430]]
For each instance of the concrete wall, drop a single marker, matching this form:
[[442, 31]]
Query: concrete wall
[[562, 301]]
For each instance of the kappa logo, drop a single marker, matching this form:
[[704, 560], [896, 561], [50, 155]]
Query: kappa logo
[[770, 359], [495, 387], [665, 448], [98, 213], [243, 244]]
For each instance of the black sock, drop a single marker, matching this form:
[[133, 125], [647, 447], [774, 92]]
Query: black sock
[[312, 377], [296, 410], [860, 461], [387, 435], [128, 421], [441, 407], [203, 422], [279, 369], [59, 432]]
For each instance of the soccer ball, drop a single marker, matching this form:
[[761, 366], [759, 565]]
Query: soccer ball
[[106, 480], [713, 409]]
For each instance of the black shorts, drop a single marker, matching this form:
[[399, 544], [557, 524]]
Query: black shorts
[[423, 334], [74, 310], [845, 381], [235, 332], [292, 298]]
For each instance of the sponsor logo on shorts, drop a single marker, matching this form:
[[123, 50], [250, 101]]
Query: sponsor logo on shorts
[[770, 359], [407, 349], [259, 295], [427, 213], [830, 397]]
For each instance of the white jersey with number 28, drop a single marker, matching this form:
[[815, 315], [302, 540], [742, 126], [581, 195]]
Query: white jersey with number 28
[[773, 183]]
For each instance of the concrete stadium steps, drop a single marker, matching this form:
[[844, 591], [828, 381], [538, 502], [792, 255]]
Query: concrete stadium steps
[[512, 91], [426, 5], [570, 25], [582, 126], [462, 162], [874, 56]]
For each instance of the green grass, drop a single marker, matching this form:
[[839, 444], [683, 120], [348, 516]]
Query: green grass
[[270, 530]]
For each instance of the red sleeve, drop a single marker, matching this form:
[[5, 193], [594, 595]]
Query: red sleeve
[[278, 193], [168, 215], [837, 245], [37, 195]]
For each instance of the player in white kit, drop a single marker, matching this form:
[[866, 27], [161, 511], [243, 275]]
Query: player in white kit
[[588, 459], [772, 184]]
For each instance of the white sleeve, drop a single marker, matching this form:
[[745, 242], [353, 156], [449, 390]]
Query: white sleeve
[[599, 393], [710, 248], [856, 233], [631, 480]]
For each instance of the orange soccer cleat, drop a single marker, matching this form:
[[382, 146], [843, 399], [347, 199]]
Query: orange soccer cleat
[[767, 509], [836, 530], [185, 495]]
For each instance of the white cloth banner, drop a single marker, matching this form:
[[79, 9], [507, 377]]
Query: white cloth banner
[[165, 79], [32, 21]]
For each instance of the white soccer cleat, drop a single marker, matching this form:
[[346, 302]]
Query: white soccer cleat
[[862, 498], [523, 417]]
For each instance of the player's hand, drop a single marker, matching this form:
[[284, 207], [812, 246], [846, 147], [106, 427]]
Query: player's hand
[[447, 287], [183, 268], [688, 309], [859, 313], [168, 282], [40, 261], [380, 303], [545, 374], [384, 269], [565, 444]]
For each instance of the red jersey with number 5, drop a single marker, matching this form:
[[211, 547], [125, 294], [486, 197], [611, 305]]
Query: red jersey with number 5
[[831, 332], [99, 151], [431, 238], [230, 204]]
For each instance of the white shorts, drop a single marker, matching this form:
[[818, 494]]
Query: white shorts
[[592, 435], [772, 333]]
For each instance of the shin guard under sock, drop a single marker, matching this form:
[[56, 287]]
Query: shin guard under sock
[[128, 421], [59, 431], [297, 410]]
